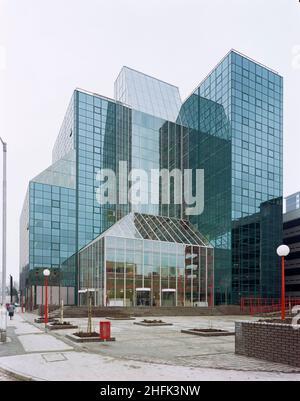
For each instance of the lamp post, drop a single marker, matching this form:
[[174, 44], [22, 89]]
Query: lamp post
[[46, 274], [4, 145], [11, 285], [282, 251]]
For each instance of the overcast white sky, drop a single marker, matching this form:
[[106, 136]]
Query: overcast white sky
[[49, 47]]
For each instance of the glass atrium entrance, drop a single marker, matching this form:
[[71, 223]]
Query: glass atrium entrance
[[168, 297], [149, 261], [143, 297]]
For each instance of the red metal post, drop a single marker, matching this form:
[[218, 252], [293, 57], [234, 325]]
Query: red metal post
[[282, 289], [251, 307], [46, 300]]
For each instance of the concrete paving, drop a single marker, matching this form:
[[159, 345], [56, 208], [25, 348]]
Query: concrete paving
[[27, 328], [140, 353], [42, 343], [83, 366], [5, 377], [167, 345]]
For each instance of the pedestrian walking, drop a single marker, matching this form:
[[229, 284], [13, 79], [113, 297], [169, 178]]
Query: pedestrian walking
[[11, 311]]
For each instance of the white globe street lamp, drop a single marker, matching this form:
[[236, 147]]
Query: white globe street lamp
[[46, 273], [283, 251]]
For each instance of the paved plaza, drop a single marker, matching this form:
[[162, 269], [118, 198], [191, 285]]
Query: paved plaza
[[5, 377], [139, 353]]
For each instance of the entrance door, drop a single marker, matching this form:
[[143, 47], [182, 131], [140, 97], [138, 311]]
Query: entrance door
[[143, 297], [168, 297]]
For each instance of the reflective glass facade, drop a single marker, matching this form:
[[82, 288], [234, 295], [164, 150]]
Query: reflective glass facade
[[292, 202], [103, 139], [147, 94], [238, 109], [291, 238], [48, 238], [230, 126], [146, 260], [95, 134]]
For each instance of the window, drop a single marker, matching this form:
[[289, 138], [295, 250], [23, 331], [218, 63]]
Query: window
[[270, 130], [245, 97], [55, 203], [245, 121], [271, 85], [258, 126], [245, 144]]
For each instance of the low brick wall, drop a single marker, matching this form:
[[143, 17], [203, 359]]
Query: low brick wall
[[269, 341]]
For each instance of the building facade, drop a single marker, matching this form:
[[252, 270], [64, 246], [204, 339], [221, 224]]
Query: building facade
[[230, 127], [292, 202], [291, 237], [243, 164]]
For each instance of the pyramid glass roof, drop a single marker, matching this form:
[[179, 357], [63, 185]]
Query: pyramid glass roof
[[157, 228]]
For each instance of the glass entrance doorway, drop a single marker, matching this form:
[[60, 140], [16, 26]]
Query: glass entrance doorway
[[143, 297], [168, 297]]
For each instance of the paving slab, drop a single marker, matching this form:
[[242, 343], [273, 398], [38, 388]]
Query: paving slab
[[74, 366], [42, 342], [27, 328]]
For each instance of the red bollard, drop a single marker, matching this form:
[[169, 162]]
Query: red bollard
[[105, 332]]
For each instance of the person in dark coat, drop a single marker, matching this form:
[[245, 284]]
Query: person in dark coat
[[11, 311]]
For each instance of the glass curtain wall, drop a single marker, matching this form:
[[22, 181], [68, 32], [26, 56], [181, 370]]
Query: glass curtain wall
[[124, 268]]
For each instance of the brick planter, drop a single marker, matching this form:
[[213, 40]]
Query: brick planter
[[61, 326], [273, 342], [42, 320], [77, 339], [120, 318], [152, 324], [208, 333]]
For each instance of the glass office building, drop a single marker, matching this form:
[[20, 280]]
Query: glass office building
[[230, 126], [291, 237], [47, 230], [292, 202], [241, 152]]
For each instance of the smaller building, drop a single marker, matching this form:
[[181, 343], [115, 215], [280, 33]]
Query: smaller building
[[291, 237], [147, 260], [292, 202]]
